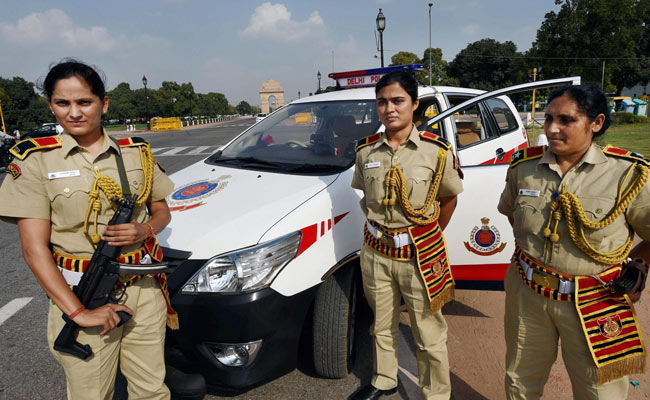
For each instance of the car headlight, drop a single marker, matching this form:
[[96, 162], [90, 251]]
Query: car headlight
[[245, 270]]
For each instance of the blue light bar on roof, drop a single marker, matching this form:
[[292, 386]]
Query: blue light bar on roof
[[369, 77]]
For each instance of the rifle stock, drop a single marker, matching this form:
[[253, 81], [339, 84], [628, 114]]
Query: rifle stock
[[96, 284]]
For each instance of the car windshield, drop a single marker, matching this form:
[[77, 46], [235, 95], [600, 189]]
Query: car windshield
[[307, 138]]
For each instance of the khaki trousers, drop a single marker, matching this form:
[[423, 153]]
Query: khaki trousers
[[138, 345], [533, 325], [385, 281]]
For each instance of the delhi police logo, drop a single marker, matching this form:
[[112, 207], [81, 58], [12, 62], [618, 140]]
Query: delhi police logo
[[485, 240], [192, 195], [611, 326]]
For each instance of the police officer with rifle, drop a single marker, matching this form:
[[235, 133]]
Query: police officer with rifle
[[59, 191]]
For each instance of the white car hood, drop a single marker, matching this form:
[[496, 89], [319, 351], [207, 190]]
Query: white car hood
[[217, 209]]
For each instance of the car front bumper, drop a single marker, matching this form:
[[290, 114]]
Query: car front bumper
[[206, 319]]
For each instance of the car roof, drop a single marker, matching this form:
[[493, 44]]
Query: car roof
[[368, 93]]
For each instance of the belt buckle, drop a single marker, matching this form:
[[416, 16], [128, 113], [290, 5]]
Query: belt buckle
[[386, 239], [545, 280]]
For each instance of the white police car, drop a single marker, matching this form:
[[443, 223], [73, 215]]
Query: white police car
[[275, 229]]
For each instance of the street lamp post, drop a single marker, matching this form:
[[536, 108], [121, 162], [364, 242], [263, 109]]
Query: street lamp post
[[318, 76], [381, 25], [146, 101], [430, 4]]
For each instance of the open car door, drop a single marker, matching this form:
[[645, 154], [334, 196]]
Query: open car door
[[479, 238]]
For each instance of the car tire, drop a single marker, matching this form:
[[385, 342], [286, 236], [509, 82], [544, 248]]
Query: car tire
[[334, 321]]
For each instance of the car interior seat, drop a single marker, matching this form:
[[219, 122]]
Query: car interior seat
[[346, 133], [466, 133]]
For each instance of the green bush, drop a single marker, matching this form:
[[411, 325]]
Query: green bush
[[624, 117]]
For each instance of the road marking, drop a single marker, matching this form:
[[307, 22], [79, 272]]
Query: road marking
[[13, 307], [181, 150], [409, 375], [173, 151], [159, 149], [199, 149]]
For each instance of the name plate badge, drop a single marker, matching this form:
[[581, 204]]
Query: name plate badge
[[375, 164], [529, 192], [63, 174]]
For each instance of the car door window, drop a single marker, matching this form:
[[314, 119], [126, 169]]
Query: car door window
[[503, 116], [472, 124]]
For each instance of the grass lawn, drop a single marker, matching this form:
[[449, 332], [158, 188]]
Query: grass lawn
[[633, 137], [122, 127]]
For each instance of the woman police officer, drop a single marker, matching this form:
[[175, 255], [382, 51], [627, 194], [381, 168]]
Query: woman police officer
[[58, 194], [410, 184], [574, 208]]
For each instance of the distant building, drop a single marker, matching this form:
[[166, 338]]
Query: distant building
[[271, 96]]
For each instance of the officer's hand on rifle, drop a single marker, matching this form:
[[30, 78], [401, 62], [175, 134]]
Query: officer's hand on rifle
[[126, 234], [105, 316]]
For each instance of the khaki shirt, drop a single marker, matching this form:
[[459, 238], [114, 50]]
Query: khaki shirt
[[418, 159], [595, 180], [64, 200]]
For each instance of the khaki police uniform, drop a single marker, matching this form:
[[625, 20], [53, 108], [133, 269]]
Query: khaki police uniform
[[533, 324], [54, 184], [386, 280]]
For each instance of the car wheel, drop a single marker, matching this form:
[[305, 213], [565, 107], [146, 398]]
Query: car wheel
[[334, 318]]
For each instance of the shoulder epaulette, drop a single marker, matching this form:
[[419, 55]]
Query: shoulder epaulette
[[23, 148], [629, 155], [439, 140], [529, 153], [367, 141], [132, 141]]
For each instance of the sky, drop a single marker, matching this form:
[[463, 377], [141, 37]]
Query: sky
[[232, 47]]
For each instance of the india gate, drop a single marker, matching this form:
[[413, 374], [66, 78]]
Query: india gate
[[271, 96]]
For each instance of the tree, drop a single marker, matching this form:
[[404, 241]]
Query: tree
[[243, 108], [485, 64], [404, 58], [438, 68], [22, 108], [583, 34], [121, 102]]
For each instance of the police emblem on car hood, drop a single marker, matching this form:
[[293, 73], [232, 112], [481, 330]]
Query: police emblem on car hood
[[192, 194]]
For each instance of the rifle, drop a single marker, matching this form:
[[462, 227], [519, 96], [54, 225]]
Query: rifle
[[97, 283]]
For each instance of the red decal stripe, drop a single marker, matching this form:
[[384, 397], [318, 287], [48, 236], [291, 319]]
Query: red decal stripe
[[309, 235], [506, 158], [340, 217], [479, 272], [322, 228]]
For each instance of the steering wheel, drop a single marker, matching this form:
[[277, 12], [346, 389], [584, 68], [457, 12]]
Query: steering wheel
[[297, 143]]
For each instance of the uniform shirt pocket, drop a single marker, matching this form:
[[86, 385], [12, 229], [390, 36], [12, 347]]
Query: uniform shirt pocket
[[529, 214], [610, 237], [135, 176], [374, 181], [69, 200], [418, 184]]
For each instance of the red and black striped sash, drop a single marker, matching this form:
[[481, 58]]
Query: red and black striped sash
[[433, 263], [610, 325]]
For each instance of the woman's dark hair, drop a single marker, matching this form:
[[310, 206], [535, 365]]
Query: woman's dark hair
[[69, 67], [405, 79], [589, 99]]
